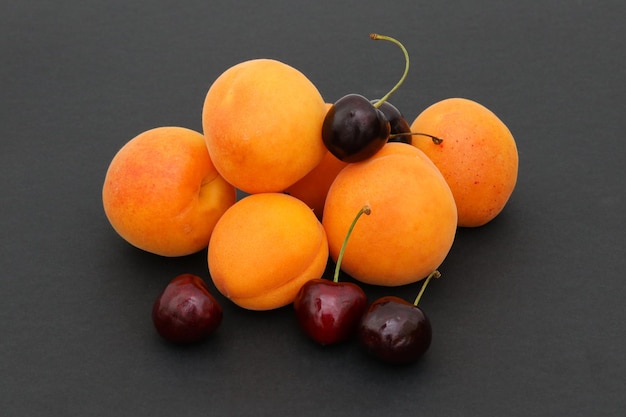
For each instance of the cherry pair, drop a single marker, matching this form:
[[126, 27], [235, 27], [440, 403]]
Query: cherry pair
[[391, 328], [355, 128]]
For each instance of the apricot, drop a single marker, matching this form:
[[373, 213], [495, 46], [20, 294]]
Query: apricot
[[478, 156], [162, 193], [262, 120], [312, 189], [412, 223], [264, 248]]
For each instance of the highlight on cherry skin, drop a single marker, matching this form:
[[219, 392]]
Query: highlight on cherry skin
[[186, 312], [328, 311]]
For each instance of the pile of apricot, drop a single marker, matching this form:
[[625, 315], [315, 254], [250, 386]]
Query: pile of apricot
[[305, 167]]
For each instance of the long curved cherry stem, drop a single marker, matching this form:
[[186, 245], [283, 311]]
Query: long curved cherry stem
[[435, 139], [364, 210], [434, 274], [376, 36]]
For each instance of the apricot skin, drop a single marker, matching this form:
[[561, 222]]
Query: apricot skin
[[263, 120], [313, 188], [413, 217], [478, 156], [162, 193], [264, 248]]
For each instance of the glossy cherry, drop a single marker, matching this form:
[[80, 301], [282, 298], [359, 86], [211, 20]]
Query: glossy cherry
[[186, 312], [354, 129], [400, 128], [397, 123], [329, 312], [395, 330]]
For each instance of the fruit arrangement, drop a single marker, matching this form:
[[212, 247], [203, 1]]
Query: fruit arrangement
[[350, 183]]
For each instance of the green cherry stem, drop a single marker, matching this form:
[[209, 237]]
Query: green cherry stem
[[434, 274], [435, 139], [364, 210], [376, 36]]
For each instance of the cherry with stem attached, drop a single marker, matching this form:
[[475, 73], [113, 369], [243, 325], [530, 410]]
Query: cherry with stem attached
[[395, 330], [355, 128], [400, 129], [329, 312]]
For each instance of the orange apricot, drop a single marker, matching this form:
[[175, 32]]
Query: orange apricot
[[478, 156], [413, 217], [264, 248], [162, 193], [312, 189], [262, 120]]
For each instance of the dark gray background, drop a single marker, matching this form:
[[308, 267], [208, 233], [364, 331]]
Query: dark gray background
[[528, 317]]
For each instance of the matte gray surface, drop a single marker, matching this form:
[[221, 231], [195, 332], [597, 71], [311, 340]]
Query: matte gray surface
[[529, 317]]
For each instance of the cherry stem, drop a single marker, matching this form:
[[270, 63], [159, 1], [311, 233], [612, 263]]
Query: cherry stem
[[376, 36], [364, 210], [435, 139], [434, 274]]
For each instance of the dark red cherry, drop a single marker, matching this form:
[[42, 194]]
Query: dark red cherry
[[395, 330], [329, 312], [353, 129], [397, 122], [186, 312]]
